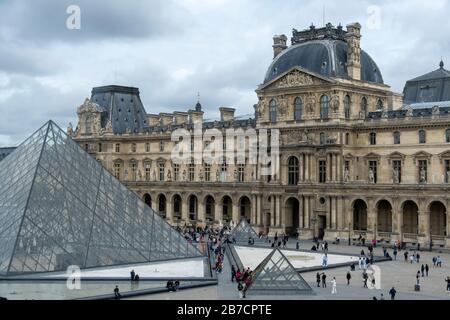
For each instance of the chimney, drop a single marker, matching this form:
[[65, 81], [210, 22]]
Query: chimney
[[226, 114], [195, 116], [353, 38], [279, 44], [166, 118], [181, 117], [152, 119]]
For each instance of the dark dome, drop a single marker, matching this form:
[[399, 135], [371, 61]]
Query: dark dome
[[326, 57]]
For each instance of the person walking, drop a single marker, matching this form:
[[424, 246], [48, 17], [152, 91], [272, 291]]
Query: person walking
[[240, 288], [318, 279], [422, 270], [132, 274], [434, 261], [325, 260], [418, 276], [418, 257], [392, 293], [439, 261], [359, 263], [412, 258], [324, 280], [297, 246], [349, 276], [395, 254], [334, 290], [448, 284], [406, 256], [365, 277], [427, 268], [233, 273]]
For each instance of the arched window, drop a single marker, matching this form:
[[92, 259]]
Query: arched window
[[297, 109], [447, 135], [373, 138], [347, 107], [379, 105], [324, 104], [293, 169], [364, 106], [88, 125], [396, 137], [422, 136], [273, 111]]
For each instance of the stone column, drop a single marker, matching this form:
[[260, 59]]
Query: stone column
[[235, 216], [169, 211], [340, 214], [253, 213], [218, 214], [201, 211], [259, 216], [307, 168], [330, 205], [307, 213], [339, 168], [184, 210], [301, 217], [329, 177], [301, 166], [273, 212], [278, 209], [424, 226]]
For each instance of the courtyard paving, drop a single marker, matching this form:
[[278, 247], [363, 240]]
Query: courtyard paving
[[400, 274]]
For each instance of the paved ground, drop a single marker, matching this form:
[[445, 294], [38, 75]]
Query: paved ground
[[398, 273]]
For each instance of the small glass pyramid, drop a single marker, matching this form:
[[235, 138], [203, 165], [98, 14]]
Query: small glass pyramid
[[242, 232], [60, 207], [275, 275]]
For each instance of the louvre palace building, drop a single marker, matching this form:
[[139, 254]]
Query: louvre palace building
[[355, 157]]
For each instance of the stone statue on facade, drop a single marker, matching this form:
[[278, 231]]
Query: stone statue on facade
[[70, 129], [140, 175], [169, 175], [235, 175], [200, 175], [423, 176], [371, 176], [184, 175], [346, 175], [396, 175], [448, 176], [217, 175]]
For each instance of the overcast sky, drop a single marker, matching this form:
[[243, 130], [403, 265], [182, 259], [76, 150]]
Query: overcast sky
[[172, 49]]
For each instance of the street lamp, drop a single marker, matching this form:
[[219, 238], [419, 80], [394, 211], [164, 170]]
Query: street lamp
[[349, 234]]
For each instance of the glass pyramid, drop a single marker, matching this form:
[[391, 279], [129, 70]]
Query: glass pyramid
[[60, 207], [242, 232], [275, 275]]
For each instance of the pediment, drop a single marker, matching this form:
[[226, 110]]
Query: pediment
[[372, 155], [296, 77], [422, 154], [349, 156], [445, 154], [396, 155]]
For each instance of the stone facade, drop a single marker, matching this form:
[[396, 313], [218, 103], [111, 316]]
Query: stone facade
[[353, 161]]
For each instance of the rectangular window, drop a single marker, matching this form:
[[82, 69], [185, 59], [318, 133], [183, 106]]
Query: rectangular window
[[447, 171], [322, 171], [373, 138], [347, 138], [133, 167], [192, 143], [100, 147], [191, 172], [207, 172], [241, 173], [147, 171], [223, 173], [86, 147], [133, 147], [397, 171], [147, 147], [322, 138], [161, 172], [373, 165], [117, 147], [423, 171], [396, 137], [176, 172], [117, 170], [161, 146]]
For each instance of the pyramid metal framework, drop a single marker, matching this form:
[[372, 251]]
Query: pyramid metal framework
[[275, 275], [60, 207], [243, 231]]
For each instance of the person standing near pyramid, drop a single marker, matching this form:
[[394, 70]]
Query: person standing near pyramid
[[334, 290]]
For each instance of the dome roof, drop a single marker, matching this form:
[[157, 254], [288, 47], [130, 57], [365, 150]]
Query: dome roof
[[327, 57]]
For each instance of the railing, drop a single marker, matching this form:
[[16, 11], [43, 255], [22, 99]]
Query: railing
[[410, 236]]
